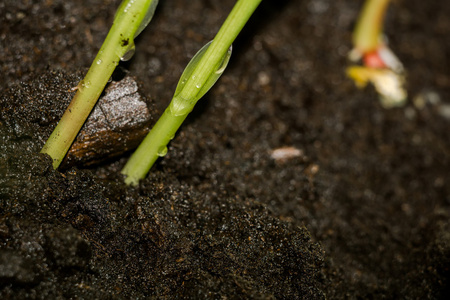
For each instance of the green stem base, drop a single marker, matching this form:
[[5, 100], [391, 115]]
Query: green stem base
[[153, 146]]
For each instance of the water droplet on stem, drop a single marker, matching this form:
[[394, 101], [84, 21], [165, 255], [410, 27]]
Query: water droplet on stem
[[162, 151], [129, 52], [225, 61], [85, 84]]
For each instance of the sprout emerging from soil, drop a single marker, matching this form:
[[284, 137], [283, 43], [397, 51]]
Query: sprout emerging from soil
[[131, 18], [380, 65], [201, 73]]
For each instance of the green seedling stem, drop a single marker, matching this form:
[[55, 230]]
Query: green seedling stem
[[199, 76], [131, 18], [368, 30]]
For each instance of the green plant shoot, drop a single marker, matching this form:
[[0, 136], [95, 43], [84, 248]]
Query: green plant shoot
[[131, 18], [368, 31], [201, 73]]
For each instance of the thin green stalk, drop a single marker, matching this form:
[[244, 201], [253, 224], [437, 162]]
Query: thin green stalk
[[131, 18], [199, 76], [368, 30], [234, 23], [153, 146]]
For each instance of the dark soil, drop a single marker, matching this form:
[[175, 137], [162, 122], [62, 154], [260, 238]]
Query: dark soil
[[362, 213]]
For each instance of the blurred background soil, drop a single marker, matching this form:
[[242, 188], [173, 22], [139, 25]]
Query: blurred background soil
[[360, 212]]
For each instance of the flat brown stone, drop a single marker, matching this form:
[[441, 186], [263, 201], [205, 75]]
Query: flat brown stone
[[118, 123]]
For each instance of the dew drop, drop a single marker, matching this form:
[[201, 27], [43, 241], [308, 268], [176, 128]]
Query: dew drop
[[162, 151], [128, 6], [86, 84], [129, 53], [225, 61], [99, 61]]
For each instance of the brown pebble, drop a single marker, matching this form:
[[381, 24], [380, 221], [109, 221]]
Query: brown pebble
[[118, 123]]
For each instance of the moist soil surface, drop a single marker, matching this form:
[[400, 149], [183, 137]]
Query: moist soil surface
[[357, 206]]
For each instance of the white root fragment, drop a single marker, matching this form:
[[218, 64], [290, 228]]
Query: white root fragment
[[285, 153]]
